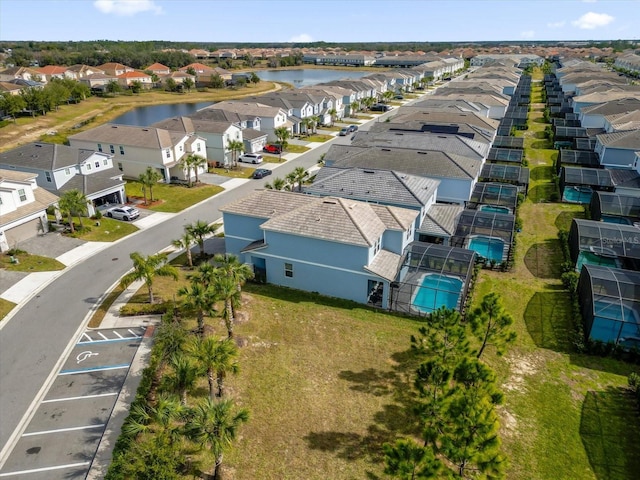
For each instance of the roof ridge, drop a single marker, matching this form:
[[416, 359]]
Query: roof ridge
[[353, 219]]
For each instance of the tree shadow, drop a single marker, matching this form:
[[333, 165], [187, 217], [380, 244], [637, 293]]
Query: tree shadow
[[543, 172], [548, 319], [563, 220], [610, 433], [543, 259], [541, 193], [542, 144]]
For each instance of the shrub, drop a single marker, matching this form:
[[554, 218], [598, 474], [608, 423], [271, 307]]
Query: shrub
[[133, 309]]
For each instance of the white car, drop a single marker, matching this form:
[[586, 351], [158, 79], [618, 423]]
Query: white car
[[250, 158], [123, 213]]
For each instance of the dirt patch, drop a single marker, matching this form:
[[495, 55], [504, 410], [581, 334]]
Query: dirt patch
[[521, 367], [508, 423]]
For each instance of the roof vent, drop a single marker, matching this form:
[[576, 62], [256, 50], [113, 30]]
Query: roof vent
[[329, 202], [145, 129], [386, 150], [114, 126], [422, 153], [368, 171]]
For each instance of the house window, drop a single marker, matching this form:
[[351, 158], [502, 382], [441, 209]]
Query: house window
[[120, 166], [113, 150], [105, 162], [99, 147], [88, 166], [198, 146], [47, 176], [97, 164], [121, 150], [168, 153], [23, 195], [288, 269], [67, 171]]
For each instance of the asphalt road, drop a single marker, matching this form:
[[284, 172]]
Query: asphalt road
[[40, 334]]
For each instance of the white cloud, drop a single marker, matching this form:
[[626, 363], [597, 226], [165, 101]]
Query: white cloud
[[527, 34], [592, 20], [301, 38], [127, 8], [556, 24], [589, 1]]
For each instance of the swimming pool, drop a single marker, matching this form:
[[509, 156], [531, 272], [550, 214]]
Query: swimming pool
[[436, 291], [487, 247], [613, 322], [494, 209], [617, 220], [577, 194], [591, 258]]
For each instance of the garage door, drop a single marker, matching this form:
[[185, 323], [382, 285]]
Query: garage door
[[22, 232]]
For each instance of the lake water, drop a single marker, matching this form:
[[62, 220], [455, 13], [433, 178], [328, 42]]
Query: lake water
[[145, 116], [309, 77]]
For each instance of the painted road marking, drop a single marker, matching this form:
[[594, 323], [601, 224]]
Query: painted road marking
[[93, 369], [70, 429], [85, 335], [119, 336], [45, 469], [133, 333], [66, 399], [100, 333], [82, 356]]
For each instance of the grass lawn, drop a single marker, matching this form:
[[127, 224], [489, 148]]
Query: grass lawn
[[5, 307], [296, 148], [273, 159], [172, 198], [317, 138], [238, 172], [30, 263], [109, 230]]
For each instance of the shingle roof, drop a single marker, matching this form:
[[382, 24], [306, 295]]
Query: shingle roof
[[426, 163], [622, 105], [252, 134], [266, 203], [369, 185], [441, 220], [43, 199], [45, 156], [191, 125], [385, 265], [145, 137], [629, 140]]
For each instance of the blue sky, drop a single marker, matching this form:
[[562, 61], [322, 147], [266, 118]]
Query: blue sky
[[319, 20]]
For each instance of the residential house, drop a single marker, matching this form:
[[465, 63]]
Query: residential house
[[82, 71], [178, 77], [265, 118], [334, 246], [59, 168], [127, 79], [616, 93], [54, 71], [23, 208], [622, 121], [217, 135], [136, 148], [618, 149], [594, 116], [10, 88], [158, 69], [23, 73], [115, 69], [496, 104], [458, 174], [98, 81]]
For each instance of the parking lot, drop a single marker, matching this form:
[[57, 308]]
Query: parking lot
[[62, 437]]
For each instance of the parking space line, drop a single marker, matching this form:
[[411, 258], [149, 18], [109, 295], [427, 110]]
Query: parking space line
[[65, 399], [45, 469], [109, 340], [133, 333], [116, 333], [100, 333], [85, 335], [93, 369], [70, 429]]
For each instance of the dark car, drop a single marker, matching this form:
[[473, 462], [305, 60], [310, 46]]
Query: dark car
[[261, 173], [380, 107], [353, 128], [272, 149], [344, 131], [399, 97]]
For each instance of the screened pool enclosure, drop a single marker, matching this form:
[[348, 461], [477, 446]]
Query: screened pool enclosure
[[432, 276], [603, 243], [489, 234], [610, 304]]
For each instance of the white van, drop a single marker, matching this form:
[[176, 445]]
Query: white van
[[250, 158]]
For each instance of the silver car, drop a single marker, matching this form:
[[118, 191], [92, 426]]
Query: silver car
[[123, 213]]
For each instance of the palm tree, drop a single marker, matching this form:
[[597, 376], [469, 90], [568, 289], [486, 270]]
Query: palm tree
[[73, 202], [282, 134], [226, 289], [183, 377], [148, 179], [205, 274], [235, 147], [386, 96], [230, 266], [316, 121], [159, 419], [355, 106], [198, 299], [333, 113], [297, 177], [147, 268], [185, 242], [307, 123], [217, 358], [197, 162], [215, 424], [199, 231], [278, 184]]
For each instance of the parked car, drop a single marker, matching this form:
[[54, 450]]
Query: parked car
[[123, 213], [380, 107], [353, 128], [344, 132], [272, 149], [250, 158], [261, 173], [399, 97]]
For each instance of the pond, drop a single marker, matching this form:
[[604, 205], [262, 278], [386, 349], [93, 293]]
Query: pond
[[145, 116], [307, 77]]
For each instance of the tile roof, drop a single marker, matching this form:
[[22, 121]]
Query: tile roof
[[369, 185], [43, 199], [266, 203], [629, 140], [191, 125], [622, 105], [94, 184], [441, 220], [426, 163], [16, 175], [385, 265]]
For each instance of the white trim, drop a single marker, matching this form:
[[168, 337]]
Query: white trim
[[45, 469], [70, 429]]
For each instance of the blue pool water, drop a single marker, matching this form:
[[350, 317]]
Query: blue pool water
[[614, 219], [613, 322], [437, 291], [487, 247], [591, 258], [577, 194], [494, 209]]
